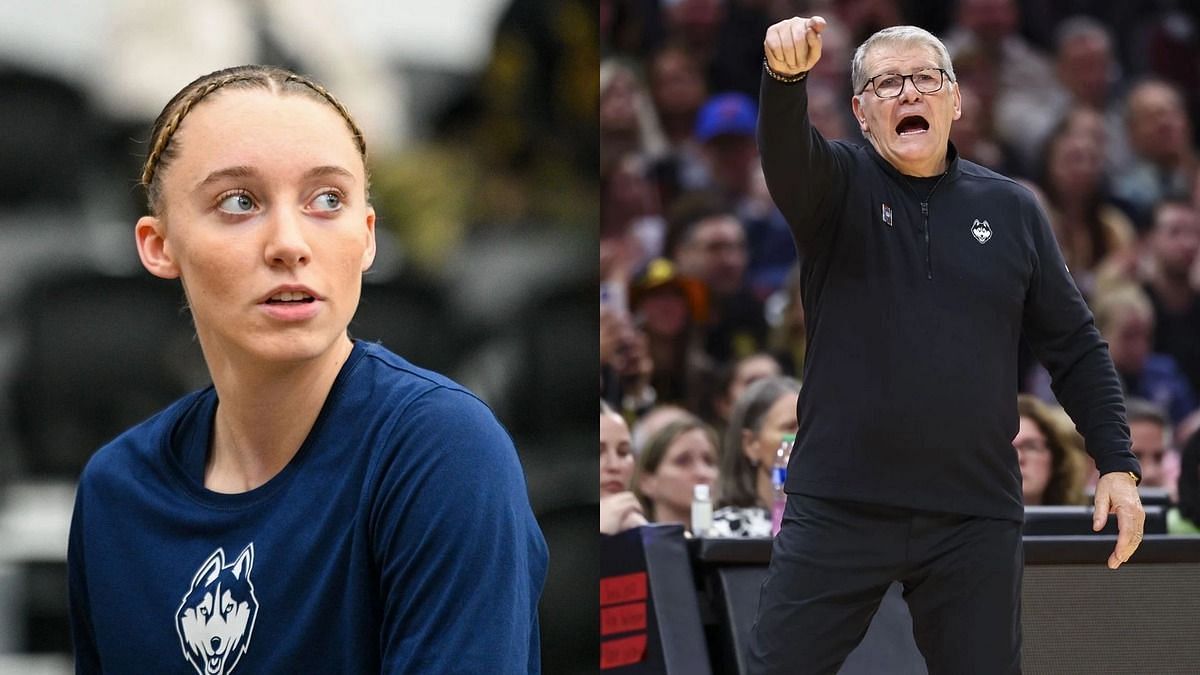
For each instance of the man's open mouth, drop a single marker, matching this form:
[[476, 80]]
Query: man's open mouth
[[913, 124]]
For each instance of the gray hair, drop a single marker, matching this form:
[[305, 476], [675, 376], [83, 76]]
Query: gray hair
[[737, 481], [1079, 26], [904, 36]]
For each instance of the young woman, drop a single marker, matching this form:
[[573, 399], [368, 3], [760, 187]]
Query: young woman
[[619, 508], [679, 457], [325, 506], [1051, 456]]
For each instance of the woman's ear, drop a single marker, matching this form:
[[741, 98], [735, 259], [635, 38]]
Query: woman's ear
[[369, 251], [153, 248]]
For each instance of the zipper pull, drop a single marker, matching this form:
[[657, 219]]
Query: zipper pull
[[925, 208]]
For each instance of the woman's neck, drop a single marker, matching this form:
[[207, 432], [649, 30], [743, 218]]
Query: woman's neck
[[665, 513], [766, 491], [264, 416]]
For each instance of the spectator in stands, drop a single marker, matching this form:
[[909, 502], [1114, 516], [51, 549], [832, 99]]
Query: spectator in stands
[[695, 24], [1150, 432], [986, 32], [628, 122], [726, 126], [733, 378], [1186, 518], [972, 134], [678, 89], [308, 446], [1088, 75], [1160, 138], [1090, 231], [1050, 452], [708, 242], [619, 507], [653, 421], [672, 309], [1125, 318], [626, 368], [763, 414], [630, 217], [679, 457], [1172, 245]]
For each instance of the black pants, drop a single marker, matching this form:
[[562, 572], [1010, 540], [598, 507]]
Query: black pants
[[833, 561]]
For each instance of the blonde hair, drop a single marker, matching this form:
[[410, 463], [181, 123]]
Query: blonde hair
[[270, 78], [1068, 463]]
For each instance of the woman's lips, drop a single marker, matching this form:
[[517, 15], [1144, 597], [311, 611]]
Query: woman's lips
[[292, 311], [612, 487]]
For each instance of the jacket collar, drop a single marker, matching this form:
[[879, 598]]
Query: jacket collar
[[952, 163]]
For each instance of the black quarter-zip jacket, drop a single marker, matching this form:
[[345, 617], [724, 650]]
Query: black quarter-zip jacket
[[916, 295]]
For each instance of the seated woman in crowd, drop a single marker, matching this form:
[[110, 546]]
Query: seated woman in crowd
[[763, 414], [676, 459], [732, 379], [1095, 236], [1185, 519], [619, 508], [1053, 468]]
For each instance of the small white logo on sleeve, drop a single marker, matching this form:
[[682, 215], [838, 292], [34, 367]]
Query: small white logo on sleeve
[[887, 215], [981, 231]]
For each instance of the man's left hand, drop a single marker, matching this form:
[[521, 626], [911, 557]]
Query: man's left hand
[[1117, 493]]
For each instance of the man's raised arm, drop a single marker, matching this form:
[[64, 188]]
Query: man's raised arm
[[802, 172]]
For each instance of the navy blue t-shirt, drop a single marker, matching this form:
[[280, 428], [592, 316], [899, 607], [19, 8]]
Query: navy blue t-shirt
[[399, 539]]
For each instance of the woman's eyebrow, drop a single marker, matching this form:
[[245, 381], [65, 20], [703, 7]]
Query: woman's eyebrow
[[250, 172], [230, 172], [328, 170]]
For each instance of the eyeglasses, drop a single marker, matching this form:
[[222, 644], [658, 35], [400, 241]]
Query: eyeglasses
[[889, 85]]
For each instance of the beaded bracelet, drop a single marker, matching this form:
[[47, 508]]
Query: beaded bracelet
[[786, 79]]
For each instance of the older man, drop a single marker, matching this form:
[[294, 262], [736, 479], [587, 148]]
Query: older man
[[921, 271]]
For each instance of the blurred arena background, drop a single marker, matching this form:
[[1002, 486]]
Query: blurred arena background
[[480, 118]]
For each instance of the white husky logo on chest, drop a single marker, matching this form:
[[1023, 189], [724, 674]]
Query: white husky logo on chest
[[216, 617], [981, 231]]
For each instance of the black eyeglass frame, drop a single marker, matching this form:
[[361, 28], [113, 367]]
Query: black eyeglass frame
[[941, 83]]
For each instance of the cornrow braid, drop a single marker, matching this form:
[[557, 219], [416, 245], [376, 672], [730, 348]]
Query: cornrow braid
[[252, 76]]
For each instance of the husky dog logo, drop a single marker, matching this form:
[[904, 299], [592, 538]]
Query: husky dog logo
[[217, 614], [981, 231]]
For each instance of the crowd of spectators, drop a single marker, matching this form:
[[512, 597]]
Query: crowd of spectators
[[1090, 105]]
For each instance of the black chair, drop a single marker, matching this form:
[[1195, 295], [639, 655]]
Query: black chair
[[569, 611], [99, 355], [48, 134], [409, 316]]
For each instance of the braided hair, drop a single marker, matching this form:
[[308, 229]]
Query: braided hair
[[270, 78]]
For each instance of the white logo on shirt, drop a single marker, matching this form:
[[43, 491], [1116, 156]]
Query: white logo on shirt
[[216, 617], [887, 215], [981, 231]]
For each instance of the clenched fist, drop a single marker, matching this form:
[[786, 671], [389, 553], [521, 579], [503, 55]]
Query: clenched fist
[[793, 46]]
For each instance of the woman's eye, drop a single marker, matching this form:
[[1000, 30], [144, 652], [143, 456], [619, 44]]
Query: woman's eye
[[328, 201], [237, 203]]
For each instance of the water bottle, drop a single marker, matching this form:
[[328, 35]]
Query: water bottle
[[701, 511], [778, 479]]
